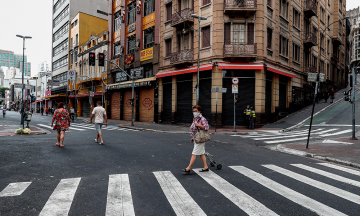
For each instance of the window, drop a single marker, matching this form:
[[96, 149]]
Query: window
[[340, 26], [72, 58], [314, 61], [61, 16], [71, 44], [168, 47], [58, 5], [227, 33], [205, 2], [328, 23], [354, 21], [322, 14], [131, 13], [296, 52], [131, 44], [77, 40], [322, 66], [328, 46], [60, 63], [168, 12], [117, 21], [117, 47], [239, 33], [284, 8], [149, 37], [205, 36], [61, 47], [296, 18], [64, 29], [149, 7], [322, 41], [340, 4], [328, 71], [284, 46]]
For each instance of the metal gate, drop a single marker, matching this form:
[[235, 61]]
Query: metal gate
[[246, 96], [268, 97], [184, 98], [85, 107], [282, 94], [205, 94], [167, 99]]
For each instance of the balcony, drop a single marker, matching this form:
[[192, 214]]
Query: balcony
[[309, 69], [310, 8], [184, 16], [337, 38], [233, 6], [310, 39], [182, 57], [240, 49]]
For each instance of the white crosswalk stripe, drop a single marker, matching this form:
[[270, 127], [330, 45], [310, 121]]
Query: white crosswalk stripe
[[87, 126], [180, 200], [14, 189], [290, 194], [119, 198]]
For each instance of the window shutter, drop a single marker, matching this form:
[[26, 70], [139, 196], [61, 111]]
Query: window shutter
[[227, 33], [251, 33]]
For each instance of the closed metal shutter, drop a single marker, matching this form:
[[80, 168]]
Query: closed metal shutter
[[282, 93], [184, 98], [246, 96], [115, 105], [205, 94], [85, 107], [167, 99], [268, 96]]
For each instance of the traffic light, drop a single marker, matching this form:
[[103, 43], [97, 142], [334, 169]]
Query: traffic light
[[132, 101], [237, 99], [101, 59], [92, 59]]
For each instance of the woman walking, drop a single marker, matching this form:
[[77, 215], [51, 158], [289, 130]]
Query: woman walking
[[62, 124], [199, 123]]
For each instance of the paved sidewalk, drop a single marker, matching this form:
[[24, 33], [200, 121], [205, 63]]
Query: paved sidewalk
[[9, 130], [301, 115]]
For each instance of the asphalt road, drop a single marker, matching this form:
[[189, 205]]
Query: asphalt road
[[75, 180]]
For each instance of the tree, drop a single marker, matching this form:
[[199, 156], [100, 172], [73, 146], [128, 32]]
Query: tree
[[2, 90]]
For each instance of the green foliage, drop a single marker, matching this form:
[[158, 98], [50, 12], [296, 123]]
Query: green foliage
[[2, 90]]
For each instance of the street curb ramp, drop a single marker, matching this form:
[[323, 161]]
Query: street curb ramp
[[283, 149]]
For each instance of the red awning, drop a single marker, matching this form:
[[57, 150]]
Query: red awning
[[184, 70], [281, 71], [86, 95], [241, 66]]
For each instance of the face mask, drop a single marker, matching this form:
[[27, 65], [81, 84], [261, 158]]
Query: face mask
[[196, 114]]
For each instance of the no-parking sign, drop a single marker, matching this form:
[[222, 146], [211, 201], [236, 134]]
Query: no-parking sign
[[71, 74]]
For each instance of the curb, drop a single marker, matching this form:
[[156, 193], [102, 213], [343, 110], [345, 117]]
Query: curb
[[303, 122], [283, 149]]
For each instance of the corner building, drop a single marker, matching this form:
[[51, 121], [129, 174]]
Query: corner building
[[270, 46], [134, 33]]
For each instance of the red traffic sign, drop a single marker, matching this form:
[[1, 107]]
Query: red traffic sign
[[235, 80]]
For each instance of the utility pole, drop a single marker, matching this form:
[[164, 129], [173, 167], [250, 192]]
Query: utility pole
[[353, 105]]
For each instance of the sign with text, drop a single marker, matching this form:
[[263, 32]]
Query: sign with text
[[137, 73], [120, 77], [91, 94], [312, 77], [235, 89], [55, 83], [149, 21], [18, 85], [321, 77], [146, 54], [217, 89]]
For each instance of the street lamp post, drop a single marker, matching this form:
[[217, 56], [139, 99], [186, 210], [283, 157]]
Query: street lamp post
[[198, 61], [22, 78]]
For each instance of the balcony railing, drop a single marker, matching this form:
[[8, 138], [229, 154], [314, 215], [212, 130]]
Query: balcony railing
[[310, 8], [234, 49], [182, 56], [310, 39], [310, 69], [182, 16], [239, 4]]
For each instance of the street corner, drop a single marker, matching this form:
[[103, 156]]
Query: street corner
[[9, 130]]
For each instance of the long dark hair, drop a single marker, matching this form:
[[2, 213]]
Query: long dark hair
[[60, 105]]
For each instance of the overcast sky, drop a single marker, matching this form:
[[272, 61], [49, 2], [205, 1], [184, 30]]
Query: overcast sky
[[351, 4], [28, 18]]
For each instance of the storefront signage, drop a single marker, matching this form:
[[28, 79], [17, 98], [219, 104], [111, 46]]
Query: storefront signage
[[113, 66], [131, 28], [129, 58], [47, 93], [129, 85], [146, 54], [313, 77], [149, 21], [120, 77], [137, 73]]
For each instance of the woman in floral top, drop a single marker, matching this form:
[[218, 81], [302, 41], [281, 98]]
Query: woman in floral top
[[199, 122], [62, 123]]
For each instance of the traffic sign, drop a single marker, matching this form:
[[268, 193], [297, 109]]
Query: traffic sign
[[235, 80], [91, 94], [71, 74], [235, 89], [321, 77], [217, 89]]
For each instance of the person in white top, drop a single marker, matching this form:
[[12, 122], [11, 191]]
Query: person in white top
[[99, 113]]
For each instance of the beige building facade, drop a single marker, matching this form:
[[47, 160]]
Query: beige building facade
[[270, 46]]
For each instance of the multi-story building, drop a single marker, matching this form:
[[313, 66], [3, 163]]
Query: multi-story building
[[9, 59], [88, 34], [354, 36], [270, 46], [63, 12], [134, 32]]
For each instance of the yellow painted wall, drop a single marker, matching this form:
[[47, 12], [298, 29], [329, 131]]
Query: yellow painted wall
[[89, 24]]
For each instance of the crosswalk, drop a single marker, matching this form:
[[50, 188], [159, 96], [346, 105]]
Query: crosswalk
[[121, 200], [88, 127], [276, 137]]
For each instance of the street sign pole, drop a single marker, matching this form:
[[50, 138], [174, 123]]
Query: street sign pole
[[312, 113], [234, 113], [216, 110], [353, 105]]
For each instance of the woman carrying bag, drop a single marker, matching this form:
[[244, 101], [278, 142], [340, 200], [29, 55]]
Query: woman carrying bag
[[199, 132]]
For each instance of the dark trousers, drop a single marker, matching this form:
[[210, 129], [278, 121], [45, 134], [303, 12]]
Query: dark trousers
[[252, 123], [247, 121]]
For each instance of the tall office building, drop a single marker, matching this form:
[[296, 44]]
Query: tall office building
[[9, 59], [43, 66]]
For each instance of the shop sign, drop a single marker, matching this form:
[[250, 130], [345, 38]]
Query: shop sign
[[120, 76], [149, 21], [131, 28], [129, 85], [113, 66], [146, 54], [137, 73], [47, 93], [129, 58]]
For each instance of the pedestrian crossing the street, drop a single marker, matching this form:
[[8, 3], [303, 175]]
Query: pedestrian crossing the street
[[293, 136], [122, 200], [87, 126]]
